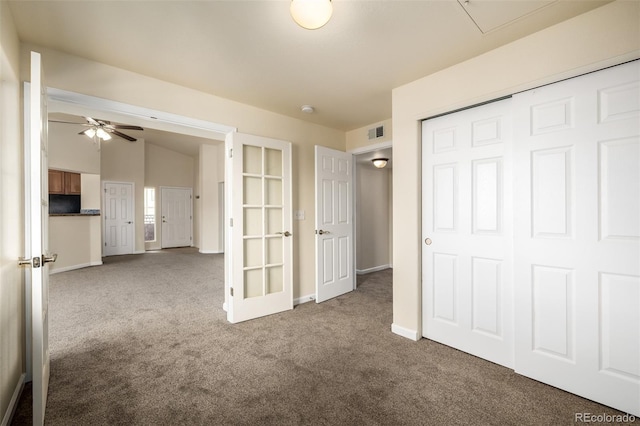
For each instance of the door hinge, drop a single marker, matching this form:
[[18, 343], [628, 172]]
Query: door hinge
[[231, 222], [231, 291], [231, 153]]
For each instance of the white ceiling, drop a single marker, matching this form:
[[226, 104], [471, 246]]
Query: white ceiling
[[252, 52]]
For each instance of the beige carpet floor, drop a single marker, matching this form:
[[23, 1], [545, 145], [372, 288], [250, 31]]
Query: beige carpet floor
[[143, 340]]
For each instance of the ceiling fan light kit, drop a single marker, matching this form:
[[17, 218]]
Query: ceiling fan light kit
[[102, 130], [311, 14]]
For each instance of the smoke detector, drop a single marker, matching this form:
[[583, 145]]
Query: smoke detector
[[307, 109]]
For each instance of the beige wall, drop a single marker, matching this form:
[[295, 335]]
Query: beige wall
[[359, 138], [122, 161], [12, 325], [90, 193], [208, 204], [70, 151], [605, 36], [373, 218], [164, 167], [76, 240]]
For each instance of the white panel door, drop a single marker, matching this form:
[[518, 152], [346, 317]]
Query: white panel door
[[176, 217], [467, 231], [36, 233], [259, 277], [118, 218], [335, 266], [577, 240]]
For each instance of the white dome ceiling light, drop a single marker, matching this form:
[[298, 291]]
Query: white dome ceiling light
[[308, 109], [311, 14], [380, 162]]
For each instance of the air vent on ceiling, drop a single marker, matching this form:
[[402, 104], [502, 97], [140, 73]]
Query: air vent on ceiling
[[376, 132]]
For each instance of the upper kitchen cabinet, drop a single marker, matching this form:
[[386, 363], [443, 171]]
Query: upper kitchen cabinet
[[64, 183]]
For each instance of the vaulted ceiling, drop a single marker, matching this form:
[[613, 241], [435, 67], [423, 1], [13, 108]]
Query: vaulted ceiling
[[252, 52]]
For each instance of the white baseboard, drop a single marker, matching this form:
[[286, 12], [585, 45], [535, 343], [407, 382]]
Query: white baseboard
[[210, 251], [8, 415], [74, 267], [139, 252], [304, 299], [405, 332], [374, 269]]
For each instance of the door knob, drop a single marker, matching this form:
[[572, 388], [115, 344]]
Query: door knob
[[49, 258], [129, 222], [322, 232], [285, 233], [427, 241]]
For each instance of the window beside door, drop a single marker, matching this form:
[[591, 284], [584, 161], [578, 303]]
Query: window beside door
[[149, 214]]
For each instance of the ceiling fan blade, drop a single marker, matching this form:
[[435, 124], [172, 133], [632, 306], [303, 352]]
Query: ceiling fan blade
[[122, 135], [69, 122], [92, 121], [126, 127]]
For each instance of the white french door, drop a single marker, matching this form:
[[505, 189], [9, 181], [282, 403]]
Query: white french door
[[259, 256], [577, 246], [335, 266], [176, 207], [119, 224], [467, 231], [36, 234]]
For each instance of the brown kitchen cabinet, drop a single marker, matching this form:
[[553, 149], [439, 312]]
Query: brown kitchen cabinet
[[64, 183]]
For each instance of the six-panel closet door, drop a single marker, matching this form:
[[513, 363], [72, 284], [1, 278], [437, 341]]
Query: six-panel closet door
[[539, 269], [467, 231], [577, 235]]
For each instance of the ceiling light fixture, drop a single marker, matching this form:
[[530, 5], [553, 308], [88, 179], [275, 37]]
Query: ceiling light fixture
[[308, 109], [102, 134], [311, 14], [380, 162]]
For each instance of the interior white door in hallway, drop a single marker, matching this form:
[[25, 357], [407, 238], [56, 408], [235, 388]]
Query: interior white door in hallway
[[577, 240], [176, 208], [258, 262], [334, 181], [37, 256], [467, 231], [119, 224]]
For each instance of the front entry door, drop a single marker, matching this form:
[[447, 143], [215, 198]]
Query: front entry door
[[118, 218], [176, 217], [259, 259], [467, 233], [36, 230], [335, 268]]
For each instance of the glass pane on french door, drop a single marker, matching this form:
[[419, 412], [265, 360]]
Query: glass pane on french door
[[263, 220]]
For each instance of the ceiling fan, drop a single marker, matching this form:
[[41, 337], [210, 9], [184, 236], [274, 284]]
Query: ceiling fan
[[102, 129]]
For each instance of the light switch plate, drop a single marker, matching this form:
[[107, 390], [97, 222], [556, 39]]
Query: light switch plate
[[298, 214]]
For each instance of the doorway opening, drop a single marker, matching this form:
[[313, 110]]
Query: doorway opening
[[373, 206]]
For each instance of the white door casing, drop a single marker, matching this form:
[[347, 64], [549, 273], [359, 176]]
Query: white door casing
[[118, 214], [259, 256], [176, 216], [334, 182], [467, 231], [577, 240], [36, 234]]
